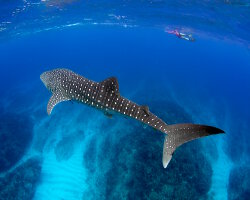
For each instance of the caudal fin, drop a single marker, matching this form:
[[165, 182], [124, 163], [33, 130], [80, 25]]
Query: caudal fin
[[179, 134]]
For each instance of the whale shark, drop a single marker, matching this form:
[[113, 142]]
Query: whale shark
[[67, 85]]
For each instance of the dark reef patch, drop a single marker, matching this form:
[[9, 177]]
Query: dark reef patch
[[239, 182], [130, 167], [21, 183], [15, 136], [64, 149], [44, 132], [238, 132], [90, 155], [235, 152]]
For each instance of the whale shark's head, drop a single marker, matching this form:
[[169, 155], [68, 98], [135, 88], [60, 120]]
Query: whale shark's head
[[51, 79]]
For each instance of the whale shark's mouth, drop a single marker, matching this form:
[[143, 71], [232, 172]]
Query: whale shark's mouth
[[45, 79], [44, 75]]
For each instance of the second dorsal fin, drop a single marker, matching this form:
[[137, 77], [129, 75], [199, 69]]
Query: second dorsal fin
[[111, 85], [145, 109]]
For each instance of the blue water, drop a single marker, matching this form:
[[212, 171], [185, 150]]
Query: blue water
[[79, 153]]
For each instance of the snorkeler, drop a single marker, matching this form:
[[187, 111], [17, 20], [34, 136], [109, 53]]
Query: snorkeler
[[184, 36]]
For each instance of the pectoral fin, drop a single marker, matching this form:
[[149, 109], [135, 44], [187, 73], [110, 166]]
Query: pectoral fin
[[54, 100]]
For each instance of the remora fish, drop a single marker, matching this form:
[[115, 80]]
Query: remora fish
[[66, 85]]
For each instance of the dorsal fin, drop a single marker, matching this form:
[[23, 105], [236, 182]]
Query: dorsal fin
[[111, 85], [54, 100]]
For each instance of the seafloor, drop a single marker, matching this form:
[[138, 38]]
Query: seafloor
[[78, 153]]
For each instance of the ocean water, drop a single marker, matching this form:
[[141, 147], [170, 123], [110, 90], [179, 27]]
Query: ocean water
[[79, 153]]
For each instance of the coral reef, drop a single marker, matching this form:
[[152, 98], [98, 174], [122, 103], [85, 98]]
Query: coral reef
[[239, 181], [15, 137], [21, 182]]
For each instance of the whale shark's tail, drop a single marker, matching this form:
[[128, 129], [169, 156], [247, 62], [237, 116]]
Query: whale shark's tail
[[179, 134]]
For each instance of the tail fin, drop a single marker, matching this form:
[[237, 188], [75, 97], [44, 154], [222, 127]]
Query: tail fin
[[179, 134]]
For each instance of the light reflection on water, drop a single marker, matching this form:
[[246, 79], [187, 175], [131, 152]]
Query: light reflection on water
[[224, 20]]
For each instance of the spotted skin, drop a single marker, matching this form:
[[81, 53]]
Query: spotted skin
[[66, 85]]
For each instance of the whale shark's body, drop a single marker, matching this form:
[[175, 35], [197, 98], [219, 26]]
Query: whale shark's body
[[66, 85]]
